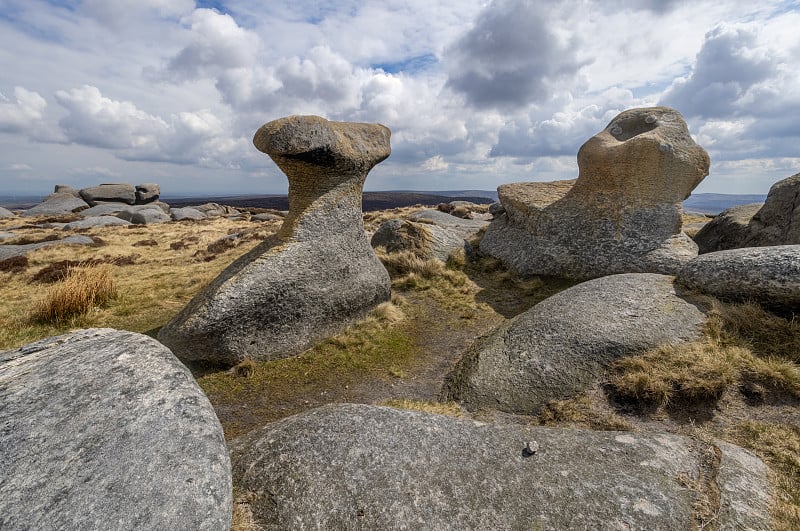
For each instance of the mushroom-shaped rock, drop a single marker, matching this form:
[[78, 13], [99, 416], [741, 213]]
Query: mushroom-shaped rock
[[622, 214], [317, 274], [106, 429]]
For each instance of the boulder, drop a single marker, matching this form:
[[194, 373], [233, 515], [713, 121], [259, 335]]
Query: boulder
[[145, 215], [348, 466], [6, 214], [465, 228], [213, 210], [728, 230], [563, 345], [623, 212], [66, 189], [426, 240], [180, 214], [266, 216], [96, 221], [57, 205], [109, 193], [317, 274], [8, 251], [104, 209], [767, 275], [105, 429], [147, 193]]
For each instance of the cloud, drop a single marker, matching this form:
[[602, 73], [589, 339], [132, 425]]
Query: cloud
[[511, 57], [435, 163], [23, 115], [729, 64], [216, 44], [19, 167]]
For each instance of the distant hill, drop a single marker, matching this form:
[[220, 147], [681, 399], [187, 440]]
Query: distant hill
[[372, 200], [716, 203]]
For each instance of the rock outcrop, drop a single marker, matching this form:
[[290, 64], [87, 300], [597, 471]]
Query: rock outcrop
[[424, 239], [57, 205], [147, 193], [369, 467], [465, 228], [769, 276], [145, 214], [622, 214], [6, 214], [563, 345], [8, 251], [109, 193], [105, 429], [776, 222], [317, 274]]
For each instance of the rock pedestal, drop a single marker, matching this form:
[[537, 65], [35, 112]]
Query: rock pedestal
[[317, 274], [622, 214]]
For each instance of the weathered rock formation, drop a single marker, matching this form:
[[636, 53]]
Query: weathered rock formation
[[769, 276], [563, 345], [312, 278], [109, 193], [368, 467], [56, 205], [776, 222], [6, 214], [622, 214], [147, 193], [145, 214], [104, 429], [465, 228], [9, 251], [424, 239]]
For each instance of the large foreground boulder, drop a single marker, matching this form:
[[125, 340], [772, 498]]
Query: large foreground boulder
[[769, 276], [317, 274], [104, 429], [563, 345], [777, 222], [622, 214], [349, 466]]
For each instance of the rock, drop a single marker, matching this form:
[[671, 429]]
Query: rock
[[317, 274], [496, 209], [622, 214], [109, 193], [7, 235], [7, 251], [348, 466], [96, 221], [563, 345], [147, 193], [6, 214], [105, 429], [426, 240], [266, 216], [465, 228], [180, 214], [767, 275], [728, 230], [104, 209], [145, 215], [66, 189], [56, 205], [213, 210]]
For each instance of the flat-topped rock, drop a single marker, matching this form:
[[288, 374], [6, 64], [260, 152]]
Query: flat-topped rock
[[348, 466], [105, 429], [109, 193], [313, 278], [563, 345], [623, 212], [56, 205]]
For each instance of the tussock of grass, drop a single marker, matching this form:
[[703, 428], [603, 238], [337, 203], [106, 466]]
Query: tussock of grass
[[83, 289], [582, 411], [450, 408], [779, 447]]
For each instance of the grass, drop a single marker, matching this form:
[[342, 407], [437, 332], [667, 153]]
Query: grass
[[582, 411], [744, 346], [81, 290], [449, 408]]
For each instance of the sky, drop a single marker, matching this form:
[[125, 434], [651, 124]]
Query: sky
[[476, 93]]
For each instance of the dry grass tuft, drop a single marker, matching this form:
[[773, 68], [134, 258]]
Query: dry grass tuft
[[389, 312], [450, 409], [83, 289], [245, 368], [582, 411]]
